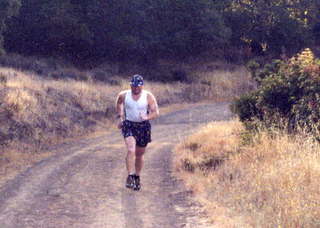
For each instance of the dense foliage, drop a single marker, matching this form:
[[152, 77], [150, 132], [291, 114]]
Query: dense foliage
[[288, 94], [8, 8], [144, 30]]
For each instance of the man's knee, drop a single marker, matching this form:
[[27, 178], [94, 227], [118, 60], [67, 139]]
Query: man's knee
[[131, 145], [131, 148], [139, 155], [140, 152], [131, 151]]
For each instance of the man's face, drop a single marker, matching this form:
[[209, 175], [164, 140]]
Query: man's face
[[136, 89]]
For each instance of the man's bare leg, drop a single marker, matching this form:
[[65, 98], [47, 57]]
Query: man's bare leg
[[139, 159], [131, 151], [138, 165]]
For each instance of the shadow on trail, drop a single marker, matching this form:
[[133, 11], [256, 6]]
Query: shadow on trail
[[131, 212]]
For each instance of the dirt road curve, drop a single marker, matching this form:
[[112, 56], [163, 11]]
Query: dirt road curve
[[82, 185]]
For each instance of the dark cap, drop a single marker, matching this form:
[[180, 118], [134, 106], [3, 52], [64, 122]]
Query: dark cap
[[137, 80]]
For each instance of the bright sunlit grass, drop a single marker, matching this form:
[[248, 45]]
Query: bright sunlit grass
[[272, 182]]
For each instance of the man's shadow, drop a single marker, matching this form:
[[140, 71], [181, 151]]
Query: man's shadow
[[131, 212]]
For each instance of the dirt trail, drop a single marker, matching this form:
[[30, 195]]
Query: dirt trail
[[82, 185]]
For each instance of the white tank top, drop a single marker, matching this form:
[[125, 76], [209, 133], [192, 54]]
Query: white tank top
[[134, 108]]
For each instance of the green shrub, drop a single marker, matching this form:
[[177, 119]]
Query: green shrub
[[246, 107], [252, 67], [3, 79], [288, 95], [258, 73]]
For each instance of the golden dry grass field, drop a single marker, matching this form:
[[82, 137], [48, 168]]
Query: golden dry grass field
[[273, 181]]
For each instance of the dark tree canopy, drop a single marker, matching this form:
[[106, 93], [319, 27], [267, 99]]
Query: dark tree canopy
[[8, 8], [143, 30]]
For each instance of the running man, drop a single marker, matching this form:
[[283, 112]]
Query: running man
[[135, 108]]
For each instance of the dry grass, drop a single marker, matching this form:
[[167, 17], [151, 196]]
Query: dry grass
[[273, 182], [224, 84], [218, 85], [40, 103]]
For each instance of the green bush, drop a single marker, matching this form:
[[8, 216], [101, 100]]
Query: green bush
[[3, 79], [246, 107], [258, 73], [288, 95], [253, 67]]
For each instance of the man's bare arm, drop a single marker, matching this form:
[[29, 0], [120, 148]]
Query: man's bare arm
[[153, 107], [120, 105]]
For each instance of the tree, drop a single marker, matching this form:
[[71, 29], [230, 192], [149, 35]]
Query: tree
[[49, 27], [135, 30], [143, 29], [274, 25], [8, 8]]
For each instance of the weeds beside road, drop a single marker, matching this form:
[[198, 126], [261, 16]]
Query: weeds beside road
[[258, 180]]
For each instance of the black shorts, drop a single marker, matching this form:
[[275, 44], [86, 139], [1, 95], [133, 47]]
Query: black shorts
[[141, 131]]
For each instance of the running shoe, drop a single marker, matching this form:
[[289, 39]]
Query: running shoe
[[130, 181], [137, 185]]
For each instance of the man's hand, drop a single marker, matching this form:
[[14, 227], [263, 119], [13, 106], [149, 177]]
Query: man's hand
[[120, 123], [144, 116]]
